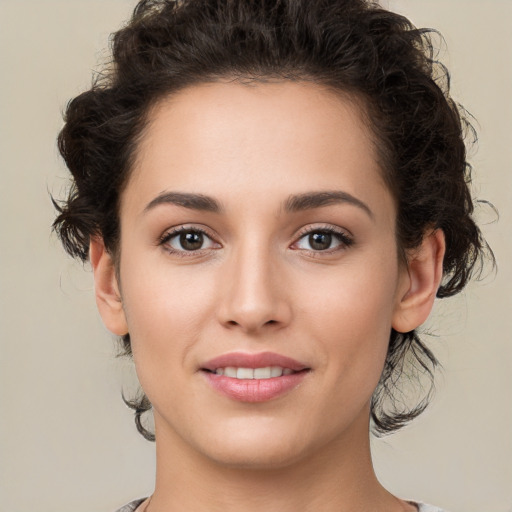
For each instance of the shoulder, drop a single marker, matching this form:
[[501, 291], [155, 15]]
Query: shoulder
[[422, 507], [132, 506]]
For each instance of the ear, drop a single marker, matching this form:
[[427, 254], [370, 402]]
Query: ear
[[421, 281], [106, 288]]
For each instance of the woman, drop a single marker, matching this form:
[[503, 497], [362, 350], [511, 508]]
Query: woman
[[271, 195]]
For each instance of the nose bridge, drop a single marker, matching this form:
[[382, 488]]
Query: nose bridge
[[253, 297]]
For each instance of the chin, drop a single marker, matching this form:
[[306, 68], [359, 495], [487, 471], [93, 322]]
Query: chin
[[256, 457], [257, 447]]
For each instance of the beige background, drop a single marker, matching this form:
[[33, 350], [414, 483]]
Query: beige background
[[67, 443]]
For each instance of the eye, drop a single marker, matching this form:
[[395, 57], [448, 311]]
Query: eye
[[324, 239], [187, 240]]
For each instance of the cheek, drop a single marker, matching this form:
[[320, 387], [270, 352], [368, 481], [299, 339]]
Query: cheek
[[166, 312], [351, 314], [354, 299]]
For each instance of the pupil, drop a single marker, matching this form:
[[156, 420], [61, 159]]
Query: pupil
[[191, 241], [320, 241]]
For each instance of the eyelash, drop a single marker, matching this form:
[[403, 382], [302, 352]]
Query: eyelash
[[345, 240], [169, 235]]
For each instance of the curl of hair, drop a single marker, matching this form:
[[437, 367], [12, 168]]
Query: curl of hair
[[349, 46]]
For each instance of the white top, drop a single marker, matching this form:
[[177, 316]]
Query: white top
[[422, 507]]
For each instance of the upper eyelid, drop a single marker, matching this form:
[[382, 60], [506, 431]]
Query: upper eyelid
[[300, 232], [324, 227], [176, 230]]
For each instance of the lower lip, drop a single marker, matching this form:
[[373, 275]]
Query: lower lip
[[254, 390]]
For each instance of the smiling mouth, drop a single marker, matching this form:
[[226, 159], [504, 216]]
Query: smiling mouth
[[252, 378], [268, 372], [253, 385]]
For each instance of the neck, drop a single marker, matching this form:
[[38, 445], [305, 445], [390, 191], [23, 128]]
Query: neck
[[336, 477]]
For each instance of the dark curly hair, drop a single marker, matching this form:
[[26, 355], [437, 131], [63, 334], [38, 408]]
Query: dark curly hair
[[350, 46]]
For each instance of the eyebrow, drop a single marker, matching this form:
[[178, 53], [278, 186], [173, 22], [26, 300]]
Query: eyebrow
[[311, 200], [294, 203], [187, 200]]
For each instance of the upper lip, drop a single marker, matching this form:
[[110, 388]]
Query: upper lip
[[259, 360]]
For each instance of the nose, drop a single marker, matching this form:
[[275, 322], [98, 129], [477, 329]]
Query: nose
[[254, 294]]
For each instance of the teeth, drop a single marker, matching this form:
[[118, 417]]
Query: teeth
[[245, 373], [230, 371], [276, 371], [262, 373], [253, 373]]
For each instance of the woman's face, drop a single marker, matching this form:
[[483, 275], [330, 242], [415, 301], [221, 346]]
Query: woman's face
[[257, 233]]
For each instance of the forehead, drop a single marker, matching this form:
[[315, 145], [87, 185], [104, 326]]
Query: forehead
[[279, 135]]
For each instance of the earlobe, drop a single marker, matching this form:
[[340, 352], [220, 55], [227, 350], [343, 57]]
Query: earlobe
[[424, 274], [106, 288]]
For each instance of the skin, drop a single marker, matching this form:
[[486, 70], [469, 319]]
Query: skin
[[258, 285]]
